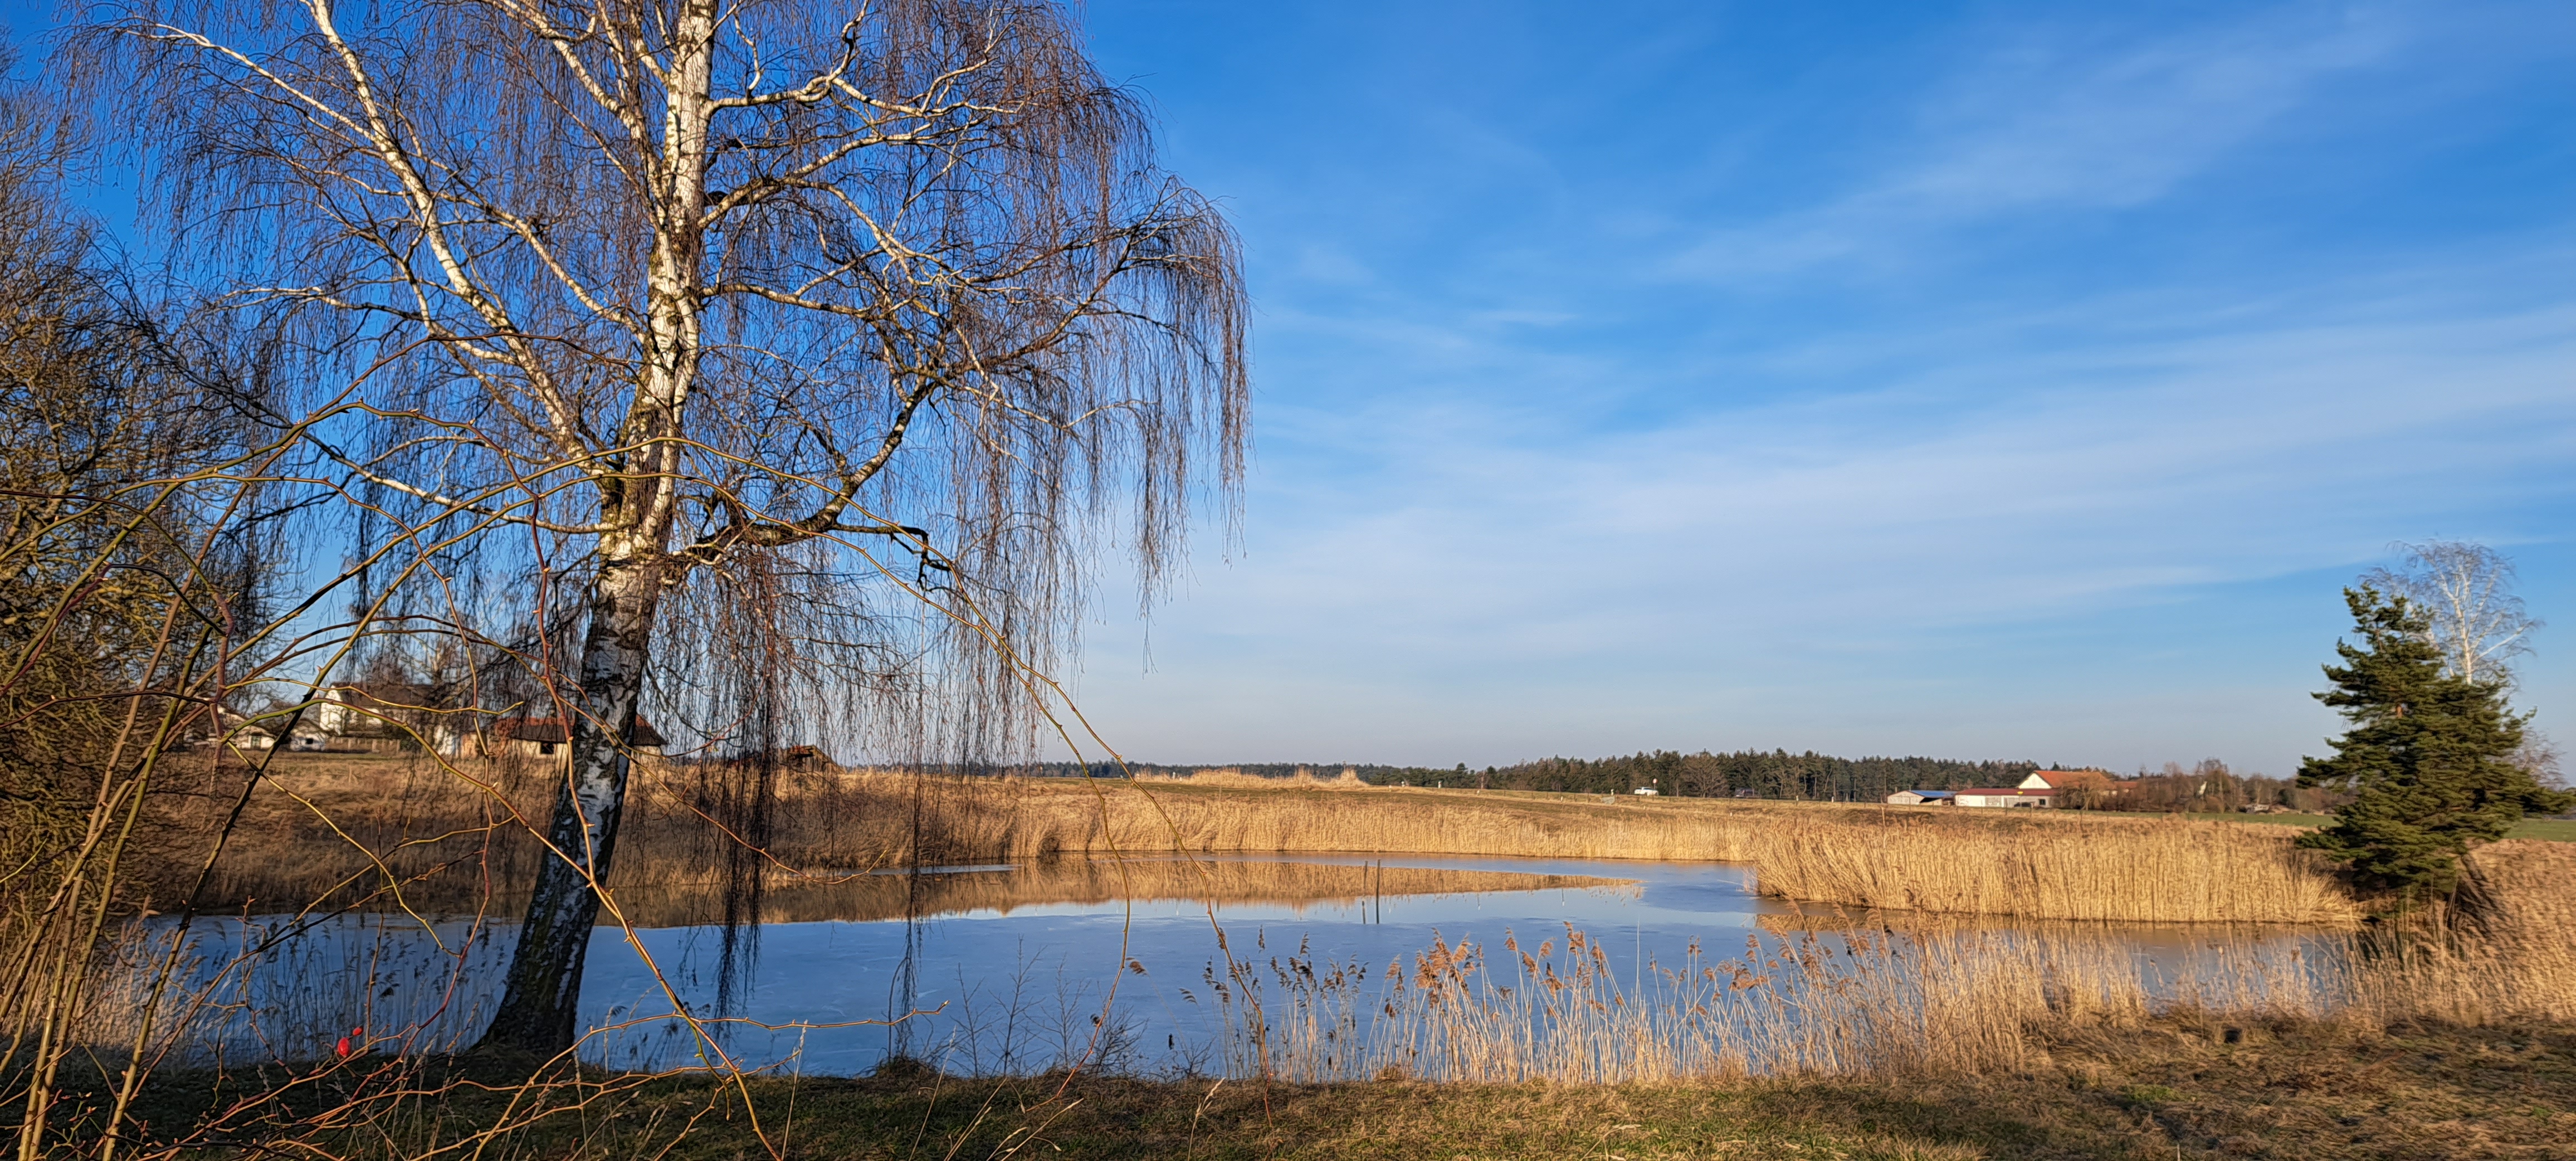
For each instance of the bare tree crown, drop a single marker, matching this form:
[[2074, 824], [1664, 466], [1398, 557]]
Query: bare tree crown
[[669, 281], [2465, 592], [773, 304]]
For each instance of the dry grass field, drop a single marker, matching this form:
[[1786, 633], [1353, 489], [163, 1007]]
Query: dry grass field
[[2169, 1088], [333, 825]]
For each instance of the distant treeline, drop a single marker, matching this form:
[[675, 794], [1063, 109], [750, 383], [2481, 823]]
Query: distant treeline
[[1373, 774], [1810, 776], [1764, 774]]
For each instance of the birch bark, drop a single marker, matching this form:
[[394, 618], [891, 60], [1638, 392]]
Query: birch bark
[[540, 1004]]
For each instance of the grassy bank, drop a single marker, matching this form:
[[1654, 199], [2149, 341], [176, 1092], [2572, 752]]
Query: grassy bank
[[2173, 1087]]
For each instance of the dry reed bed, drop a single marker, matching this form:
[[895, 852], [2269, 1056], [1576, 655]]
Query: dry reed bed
[[2161, 871], [2028, 865], [2133, 870], [2511, 958], [1961, 1000], [324, 823], [1812, 1003]]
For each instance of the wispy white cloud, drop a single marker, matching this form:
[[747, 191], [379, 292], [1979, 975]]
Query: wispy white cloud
[[2163, 323], [2054, 120], [1503, 578]]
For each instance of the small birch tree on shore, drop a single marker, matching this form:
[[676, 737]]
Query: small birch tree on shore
[[2464, 592]]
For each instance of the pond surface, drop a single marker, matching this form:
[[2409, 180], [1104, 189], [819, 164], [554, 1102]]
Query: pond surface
[[992, 969]]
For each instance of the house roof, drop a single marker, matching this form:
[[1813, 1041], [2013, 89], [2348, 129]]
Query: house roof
[[552, 730], [390, 695]]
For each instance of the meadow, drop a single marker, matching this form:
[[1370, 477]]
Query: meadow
[[2452, 1034]]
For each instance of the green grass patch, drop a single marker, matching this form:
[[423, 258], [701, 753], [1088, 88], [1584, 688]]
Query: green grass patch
[[2270, 819], [2557, 830]]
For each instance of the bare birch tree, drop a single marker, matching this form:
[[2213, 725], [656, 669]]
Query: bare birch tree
[[2466, 594], [631, 296]]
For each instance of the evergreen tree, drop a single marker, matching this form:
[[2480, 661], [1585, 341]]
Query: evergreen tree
[[2428, 754]]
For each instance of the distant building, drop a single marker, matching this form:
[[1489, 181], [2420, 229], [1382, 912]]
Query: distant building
[[547, 737], [308, 739], [386, 716], [1920, 798], [2022, 795], [1648, 791]]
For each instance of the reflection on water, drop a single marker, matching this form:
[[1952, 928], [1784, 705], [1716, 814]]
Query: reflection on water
[[1302, 886], [1124, 965]]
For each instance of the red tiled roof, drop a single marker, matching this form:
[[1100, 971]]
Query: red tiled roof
[[2051, 776]]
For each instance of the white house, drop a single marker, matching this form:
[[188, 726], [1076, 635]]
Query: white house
[[547, 737], [387, 716], [2034, 791]]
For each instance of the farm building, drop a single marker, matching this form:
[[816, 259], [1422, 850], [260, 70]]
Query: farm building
[[1920, 798], [386, 716], [2034, 791], [546, 737]]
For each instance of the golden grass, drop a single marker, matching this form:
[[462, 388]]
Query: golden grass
[[2061, 868], [1945, 996], [2511, 958], [2048, 865], [1800, 1010], [1866, 1001], [2020, 864], [333, 819], [2164, 1090]]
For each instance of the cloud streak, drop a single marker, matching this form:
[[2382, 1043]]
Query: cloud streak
[[2053, 122], [1515, 581], [2092, 350]]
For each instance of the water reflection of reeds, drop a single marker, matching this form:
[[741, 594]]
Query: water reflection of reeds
[[865, 897]]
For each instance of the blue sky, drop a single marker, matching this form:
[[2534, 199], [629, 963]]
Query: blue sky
[[1978, 380], [2002, 379]]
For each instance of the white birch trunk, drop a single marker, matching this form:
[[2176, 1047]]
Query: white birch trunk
[[541, 998], [540, 1006]]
